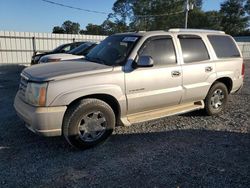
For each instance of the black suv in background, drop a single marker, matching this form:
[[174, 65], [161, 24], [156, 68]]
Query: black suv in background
[[60, 49]]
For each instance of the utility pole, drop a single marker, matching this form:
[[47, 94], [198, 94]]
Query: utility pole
[[186, 10]]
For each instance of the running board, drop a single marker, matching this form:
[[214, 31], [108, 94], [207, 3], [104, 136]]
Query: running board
[[164, 112]]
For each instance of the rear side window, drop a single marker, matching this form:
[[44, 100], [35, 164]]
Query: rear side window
[[193, 48], [224, 46], [161, 50]]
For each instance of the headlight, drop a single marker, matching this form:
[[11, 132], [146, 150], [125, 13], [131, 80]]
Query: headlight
[[36, 93]]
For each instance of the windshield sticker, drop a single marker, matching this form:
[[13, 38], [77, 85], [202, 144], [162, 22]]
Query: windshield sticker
[[130, 39], [124, 44]]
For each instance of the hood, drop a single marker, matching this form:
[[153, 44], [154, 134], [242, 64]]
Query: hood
[[64, 70], [61, 56]]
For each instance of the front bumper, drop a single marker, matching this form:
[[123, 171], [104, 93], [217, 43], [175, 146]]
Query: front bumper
[[45, 121]]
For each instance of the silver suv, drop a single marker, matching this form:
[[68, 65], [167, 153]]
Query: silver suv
[[130, 78]]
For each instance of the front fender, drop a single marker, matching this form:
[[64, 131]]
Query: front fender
[[67, 97]]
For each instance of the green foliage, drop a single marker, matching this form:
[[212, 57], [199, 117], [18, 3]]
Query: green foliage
[[67, 27], [205, 20], [58, 29], [94, 29], [161, 15], [134, 15], [110, 27], [234, 19], [152, 14], [71, 27]]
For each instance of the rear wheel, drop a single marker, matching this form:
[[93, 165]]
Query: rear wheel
[[216, 99], [88, 123]]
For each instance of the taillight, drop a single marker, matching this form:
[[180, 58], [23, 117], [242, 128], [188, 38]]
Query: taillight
[[243, 69]]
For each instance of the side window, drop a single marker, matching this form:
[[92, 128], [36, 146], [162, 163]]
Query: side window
[[193, 49], [224, 46], [66, 48], [161, 50], [73, 46]]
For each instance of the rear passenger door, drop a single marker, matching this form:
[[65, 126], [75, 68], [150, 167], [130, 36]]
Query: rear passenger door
[[198, 69]]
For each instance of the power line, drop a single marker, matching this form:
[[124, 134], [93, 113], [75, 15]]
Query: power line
[[76, 8], [99, 12]]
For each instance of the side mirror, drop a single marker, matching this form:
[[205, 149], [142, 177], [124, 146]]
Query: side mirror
[[145, 61]]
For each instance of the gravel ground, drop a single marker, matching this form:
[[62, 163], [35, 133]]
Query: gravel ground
[[189, 150]]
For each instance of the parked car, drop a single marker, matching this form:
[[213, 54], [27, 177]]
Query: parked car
[[130, 78], [60, 49], [76, 53]]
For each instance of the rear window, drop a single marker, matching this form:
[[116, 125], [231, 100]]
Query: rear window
[[224, 46], [193, 48]]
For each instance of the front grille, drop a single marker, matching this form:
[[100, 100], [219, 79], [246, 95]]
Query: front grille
[[23, 86]]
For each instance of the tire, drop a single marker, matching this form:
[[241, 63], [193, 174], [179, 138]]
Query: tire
[[88, 123], [216, 99]]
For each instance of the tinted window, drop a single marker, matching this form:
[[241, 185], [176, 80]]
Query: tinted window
[[59, 48], [75, 45], [193, 49], [161, 50], [224, 46], [82, 49]]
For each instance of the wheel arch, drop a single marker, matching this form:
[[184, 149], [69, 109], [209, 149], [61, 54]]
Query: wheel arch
[[109, 99], [227, 81]]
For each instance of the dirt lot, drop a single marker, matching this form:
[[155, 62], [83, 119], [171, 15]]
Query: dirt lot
[[189, 150]]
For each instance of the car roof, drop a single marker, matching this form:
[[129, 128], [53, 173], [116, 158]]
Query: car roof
[[171, 31]]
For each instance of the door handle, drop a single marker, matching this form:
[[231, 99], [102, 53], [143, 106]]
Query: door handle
[[176, 73], [208, 69]]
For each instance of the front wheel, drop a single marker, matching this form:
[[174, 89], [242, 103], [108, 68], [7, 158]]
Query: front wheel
[[88, 123], [216, 99]]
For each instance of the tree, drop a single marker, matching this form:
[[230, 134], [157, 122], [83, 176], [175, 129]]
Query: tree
[[109, 27], [151, 15], [67, 27], [205, 20], [58, 29], [214, 20], [234, 18], [247, 7], [71, 27], [94, 29], [82, 32]]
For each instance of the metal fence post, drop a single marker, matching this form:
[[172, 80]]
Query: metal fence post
[[34, 45]]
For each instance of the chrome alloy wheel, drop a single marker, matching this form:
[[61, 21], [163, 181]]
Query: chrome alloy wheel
[[92, 126], [217, 99]]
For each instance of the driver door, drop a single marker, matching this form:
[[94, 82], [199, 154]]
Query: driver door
[[149, 88]]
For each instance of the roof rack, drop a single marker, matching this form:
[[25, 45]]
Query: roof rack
[[195, 30]]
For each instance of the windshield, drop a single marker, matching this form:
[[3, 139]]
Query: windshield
[[80, 50], [113, 50], [58, 49]]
